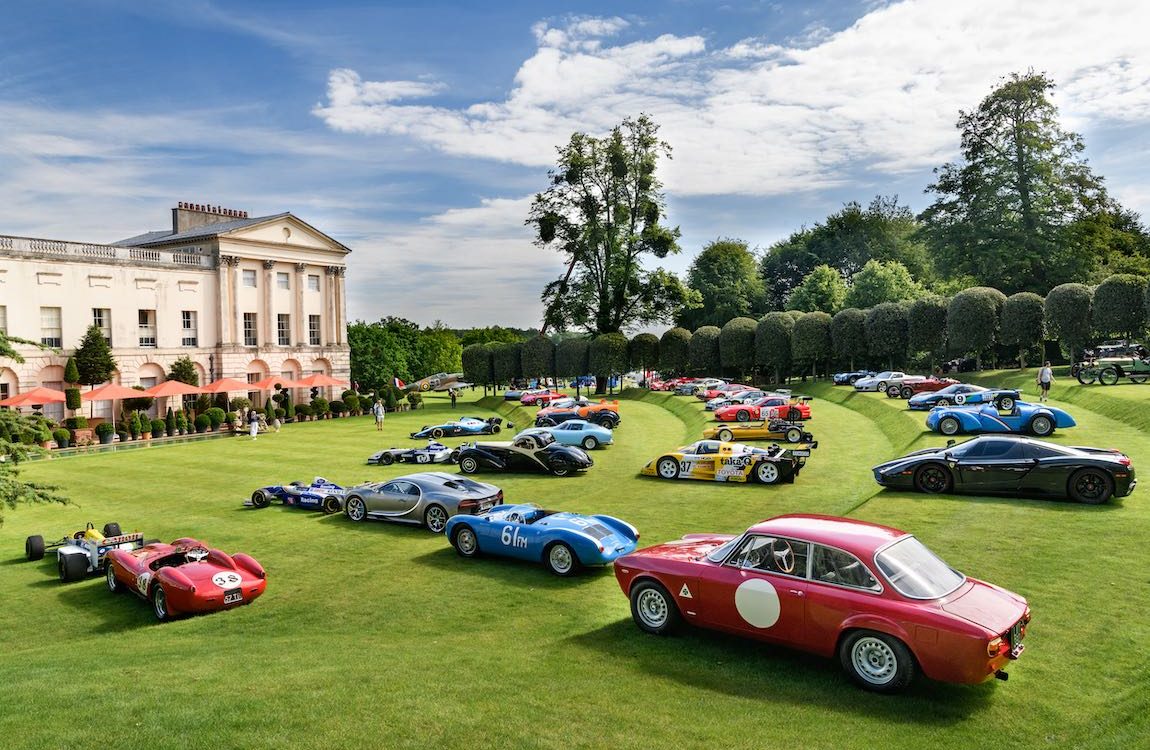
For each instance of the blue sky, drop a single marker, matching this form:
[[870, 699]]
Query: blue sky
[[416, 133]]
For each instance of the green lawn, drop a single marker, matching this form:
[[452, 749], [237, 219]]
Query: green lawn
[[378, 635]]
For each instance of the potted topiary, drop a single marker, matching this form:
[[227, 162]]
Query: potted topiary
[[215, 417], [60, 435], [240, 404], [302, 412], [230, 419], [337, 408], [181, 423], [319, 407], [134, 425], [202, 423], [170, 422], [105, 431], [159, 429]]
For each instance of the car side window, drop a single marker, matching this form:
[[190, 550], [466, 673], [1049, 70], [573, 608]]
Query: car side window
[[835, 566], [393, 488], [772, 555]]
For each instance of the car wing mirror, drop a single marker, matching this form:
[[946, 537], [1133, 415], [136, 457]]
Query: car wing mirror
[[950, 443]]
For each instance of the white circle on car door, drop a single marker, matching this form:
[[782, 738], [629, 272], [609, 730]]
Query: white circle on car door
[[757, 602]]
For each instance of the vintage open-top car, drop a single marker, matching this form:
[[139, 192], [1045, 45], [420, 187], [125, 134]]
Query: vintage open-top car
[[319, 495], [1013, 465], [537, 451], [874, 596], [717, 461], [1023, 417], [541, 397], [461, 426], [562, 541], [907, 389], [185, 577]]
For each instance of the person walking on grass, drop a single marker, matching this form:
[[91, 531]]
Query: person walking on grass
[[1043, 379], [451, 392], [377, 412], [253, 423]]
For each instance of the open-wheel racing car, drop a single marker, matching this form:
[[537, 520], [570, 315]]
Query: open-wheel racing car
[[717, 461], [564, 542], [83, 552], [319, 495], [835, 587], [434, 452], [185, 577], [537, 451], [1023, 417], [461, 426]]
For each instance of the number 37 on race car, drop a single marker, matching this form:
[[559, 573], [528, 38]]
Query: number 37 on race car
[[729, 462]]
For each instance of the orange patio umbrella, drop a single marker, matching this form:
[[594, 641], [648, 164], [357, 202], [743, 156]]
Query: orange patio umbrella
[[269, 384], [319, 380], [111, 392], [171, 388], [227, 385], [38, 396]]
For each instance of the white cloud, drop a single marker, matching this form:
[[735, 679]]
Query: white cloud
[[760, 118]]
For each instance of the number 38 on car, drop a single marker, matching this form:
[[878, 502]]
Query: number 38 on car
[[874, 596]]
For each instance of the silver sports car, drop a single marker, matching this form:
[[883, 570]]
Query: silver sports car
[[427, 498]]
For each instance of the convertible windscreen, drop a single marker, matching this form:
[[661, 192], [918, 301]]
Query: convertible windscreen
[[917, 572]]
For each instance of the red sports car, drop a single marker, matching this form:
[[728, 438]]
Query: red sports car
[[930, 385], [541, 399], [722, 390], [768, 407], [184, 577], [874, 596]]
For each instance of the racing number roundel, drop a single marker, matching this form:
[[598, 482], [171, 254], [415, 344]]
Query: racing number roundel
[[227, 580], [757, 602]]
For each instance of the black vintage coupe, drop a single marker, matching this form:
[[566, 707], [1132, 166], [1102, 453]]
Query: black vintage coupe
[[1013, 465], [537, 452]]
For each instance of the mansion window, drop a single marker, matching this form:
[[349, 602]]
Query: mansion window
[[51, 328], [190, 328], [3, 320], [283, 281], [147, 326], [250, 330], [102, 319], [283, 330], [313, 282], [313, 335], [249, 277]]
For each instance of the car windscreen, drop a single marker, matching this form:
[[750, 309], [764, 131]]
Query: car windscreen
[[720, 553], [915, 571]]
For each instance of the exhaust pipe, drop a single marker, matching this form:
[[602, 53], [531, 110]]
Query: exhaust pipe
[[1001, 675]]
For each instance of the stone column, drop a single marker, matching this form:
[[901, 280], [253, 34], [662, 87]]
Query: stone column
[[269, 326], [340, 306], [299, 325], [231, 324], [328, 322]]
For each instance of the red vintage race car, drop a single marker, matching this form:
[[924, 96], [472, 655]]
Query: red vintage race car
[[541, 398], [908, 388], [184, 577], [721, 390], [874, 596], [774, 406]]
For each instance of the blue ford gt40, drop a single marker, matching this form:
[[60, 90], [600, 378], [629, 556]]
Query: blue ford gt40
[[1036, 419], [564, 542]]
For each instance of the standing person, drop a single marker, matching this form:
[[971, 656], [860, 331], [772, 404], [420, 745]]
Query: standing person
[[377, 412], [1044, 378], [451, 392], [253, 423]]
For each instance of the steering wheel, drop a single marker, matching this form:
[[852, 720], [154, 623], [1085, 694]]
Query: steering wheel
[[783, 555], [515, 517]]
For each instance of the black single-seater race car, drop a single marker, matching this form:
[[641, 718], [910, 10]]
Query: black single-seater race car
[[1013, 465], [537, 452]]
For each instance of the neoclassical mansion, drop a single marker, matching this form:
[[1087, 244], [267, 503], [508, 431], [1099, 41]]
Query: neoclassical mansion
[[243, 297]]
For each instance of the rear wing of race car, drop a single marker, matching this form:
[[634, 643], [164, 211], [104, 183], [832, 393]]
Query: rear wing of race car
[[136, 540]]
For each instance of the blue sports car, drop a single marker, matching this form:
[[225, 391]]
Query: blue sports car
[[1036, 419], [964, 394], [461, 426], [319, 495], [587, 435], [564, 542], [849, 378]]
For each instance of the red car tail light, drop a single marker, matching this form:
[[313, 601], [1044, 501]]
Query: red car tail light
[[996, 647]]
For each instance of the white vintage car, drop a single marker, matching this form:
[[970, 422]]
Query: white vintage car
[[886, 378]]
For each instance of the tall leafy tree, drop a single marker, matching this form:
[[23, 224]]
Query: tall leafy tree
[[488, 335], [603, 211], [886, 332], [184, 370], [94, 360], [737, 345], [848, 336], [1117, 306], [1068, 311], [726, 276], [643, 351], [20, 436], [881, 281], [1012, 212], [437, 349], [773, 344], [1022, 323], [823, 290], [538, 357], [675, 351], [972, 321], [705, 350], [811, 341]]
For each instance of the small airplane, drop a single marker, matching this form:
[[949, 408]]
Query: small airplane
[[440, 381]]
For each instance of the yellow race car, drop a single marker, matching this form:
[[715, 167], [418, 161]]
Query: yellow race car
[[775, 429], [729, 462]]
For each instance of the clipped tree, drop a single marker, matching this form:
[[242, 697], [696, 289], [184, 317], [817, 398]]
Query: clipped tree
[[737, 346], [538, 357], [72, 376], [811, 341], [1022, 323], [886, 332], [508, 361], [848, 336], [1068, 310], [823, 289], [773, 344], [184, 370], [1118, 308], [477, 365], [926, 326], [675, 351], [643, 352], [170, 422], [607, 356], [571, 358], [972, 318], [705, 350], [71, 372], [94, 361]]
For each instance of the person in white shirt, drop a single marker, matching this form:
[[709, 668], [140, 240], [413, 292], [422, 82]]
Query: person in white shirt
[[1044, 378]]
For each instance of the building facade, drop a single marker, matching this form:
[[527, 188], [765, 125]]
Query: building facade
[[242, 297]]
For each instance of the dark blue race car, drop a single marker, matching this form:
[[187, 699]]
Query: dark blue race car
[[461, 426], [964, 394], [319, 495], [849, 378]]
